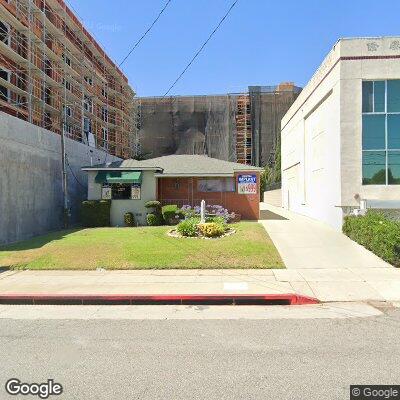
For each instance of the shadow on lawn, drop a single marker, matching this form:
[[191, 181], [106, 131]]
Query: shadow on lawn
[[38, 241]]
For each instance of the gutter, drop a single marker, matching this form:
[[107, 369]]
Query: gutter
[[123, 169], [192, 175]]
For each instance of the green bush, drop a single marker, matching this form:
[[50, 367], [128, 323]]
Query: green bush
[[188, 227], [154, 219], [218, 220], [211, 229], [170, 214], [377, 233], [155, 204], [129, 219], [95, 213]]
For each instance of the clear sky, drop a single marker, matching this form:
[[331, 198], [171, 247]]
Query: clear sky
[[262, 42]]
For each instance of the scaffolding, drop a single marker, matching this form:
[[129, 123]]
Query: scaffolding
[[239, 127], [55, 75], [243, 130]]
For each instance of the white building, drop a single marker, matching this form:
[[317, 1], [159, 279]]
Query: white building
[[341, 137]]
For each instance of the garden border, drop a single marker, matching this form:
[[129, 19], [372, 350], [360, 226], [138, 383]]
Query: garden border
[[171, 232]]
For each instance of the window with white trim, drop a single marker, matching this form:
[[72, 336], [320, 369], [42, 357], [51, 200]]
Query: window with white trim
[[88, 103], [67, 111], [104, 114], [104, 92], [5, 33], [4, 91], [66, 59], [67, 129], [216, 185], [67, 84], [104, 135], [89, 80], [87, 125]]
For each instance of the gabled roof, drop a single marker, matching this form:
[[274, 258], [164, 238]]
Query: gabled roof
[[125, 165], [179, 165]]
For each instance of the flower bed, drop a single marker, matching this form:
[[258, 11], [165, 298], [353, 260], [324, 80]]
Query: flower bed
[[212, 211], [214, 226], [175, 234]]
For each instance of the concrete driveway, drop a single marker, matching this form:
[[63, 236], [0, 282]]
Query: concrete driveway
[[307, 243]]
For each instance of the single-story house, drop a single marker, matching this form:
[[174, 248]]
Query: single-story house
[[175, 179]]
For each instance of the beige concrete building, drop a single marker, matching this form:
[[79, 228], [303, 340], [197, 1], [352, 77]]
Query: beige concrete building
[[341, 137]]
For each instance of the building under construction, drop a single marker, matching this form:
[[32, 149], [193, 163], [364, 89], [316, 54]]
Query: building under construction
[[55, 75], [240, 127]]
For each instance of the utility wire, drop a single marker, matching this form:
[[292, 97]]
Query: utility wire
[[202, 47], [73, 174], [144, 34]]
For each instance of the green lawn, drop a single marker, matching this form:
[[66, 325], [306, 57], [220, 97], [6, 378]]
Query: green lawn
[[142, 248]]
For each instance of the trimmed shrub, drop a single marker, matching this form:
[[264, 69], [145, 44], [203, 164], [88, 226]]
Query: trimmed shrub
[[377, 233], [129, 219], [153, 204], [171, 214], [153, 220], [95, 213], [188, 227], [211, 229]]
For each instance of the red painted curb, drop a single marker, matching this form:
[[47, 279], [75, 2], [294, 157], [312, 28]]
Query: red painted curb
[[237, 299]]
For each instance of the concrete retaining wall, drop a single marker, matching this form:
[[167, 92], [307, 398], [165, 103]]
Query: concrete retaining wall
[[31, 200], [273, 197]]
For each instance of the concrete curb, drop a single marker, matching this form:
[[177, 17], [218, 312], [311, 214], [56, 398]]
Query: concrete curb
[[183, 299]]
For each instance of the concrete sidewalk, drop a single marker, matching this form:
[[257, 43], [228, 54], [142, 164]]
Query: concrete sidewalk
[[346, 284], [306, 243], [320, 263]]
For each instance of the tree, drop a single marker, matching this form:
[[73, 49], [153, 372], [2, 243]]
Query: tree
[[271, 176]]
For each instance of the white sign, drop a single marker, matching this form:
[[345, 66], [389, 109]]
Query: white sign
[[247, 184], [135, 192], [106, 193]]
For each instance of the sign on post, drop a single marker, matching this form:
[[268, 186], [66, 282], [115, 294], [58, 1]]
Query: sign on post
[[247, 184]]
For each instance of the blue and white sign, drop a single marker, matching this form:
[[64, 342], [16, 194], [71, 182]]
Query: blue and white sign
[[247, 184]]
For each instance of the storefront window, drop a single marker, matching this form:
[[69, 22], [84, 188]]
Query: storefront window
[[121, 191], [374, 168], [381, 132], [216, 185], [394, 167]]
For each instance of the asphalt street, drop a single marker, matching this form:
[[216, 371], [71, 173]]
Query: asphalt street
[[202, 359]]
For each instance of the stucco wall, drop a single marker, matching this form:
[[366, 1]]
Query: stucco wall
[[322, 132], [311, 150], [273, 197], [120, 207], [31, 200], [353, 71]]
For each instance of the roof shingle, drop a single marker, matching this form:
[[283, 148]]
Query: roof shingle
[[180, 165]]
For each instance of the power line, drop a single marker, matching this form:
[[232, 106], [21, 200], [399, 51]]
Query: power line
[[73, 174], [144, 34], [202, 47]]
